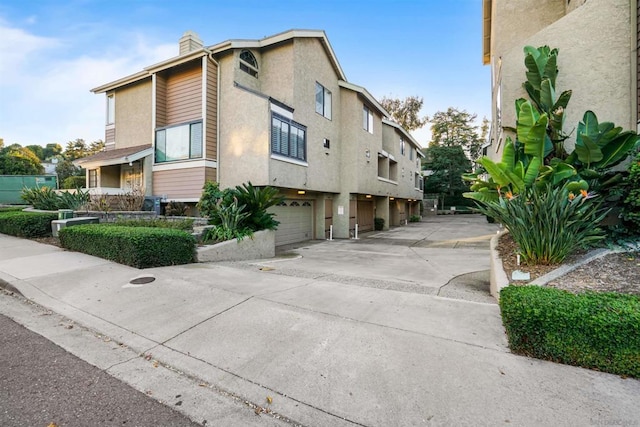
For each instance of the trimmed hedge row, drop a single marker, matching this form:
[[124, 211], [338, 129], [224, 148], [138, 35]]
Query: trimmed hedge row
[[138, 247], [593, 330], [26, 224]]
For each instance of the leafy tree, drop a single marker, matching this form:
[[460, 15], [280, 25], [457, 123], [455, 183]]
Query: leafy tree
[[38, 150], [96, 146], [76, 149], [18, 160], [453, 128], [52, 150], [406, 111], [447, 164], [66, 169]]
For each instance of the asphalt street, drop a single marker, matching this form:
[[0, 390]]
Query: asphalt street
[[41, 384]]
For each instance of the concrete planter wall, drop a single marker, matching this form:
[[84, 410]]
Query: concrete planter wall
[[498, 277], [261, 245]]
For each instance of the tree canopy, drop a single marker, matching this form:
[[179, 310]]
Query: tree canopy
[[453, 128], [446, 165], [406, 112], [18, 160]]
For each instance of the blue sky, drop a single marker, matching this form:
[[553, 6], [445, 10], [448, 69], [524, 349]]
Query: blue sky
[[52, 52]]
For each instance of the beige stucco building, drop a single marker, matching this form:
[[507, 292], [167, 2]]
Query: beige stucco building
[[598, 57], [277, 111]]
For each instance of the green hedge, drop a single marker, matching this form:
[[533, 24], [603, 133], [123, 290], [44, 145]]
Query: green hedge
[[182, 224], [593, 330], [26, 224], [139, 247]]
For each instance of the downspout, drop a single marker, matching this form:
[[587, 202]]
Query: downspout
[[217, 117]]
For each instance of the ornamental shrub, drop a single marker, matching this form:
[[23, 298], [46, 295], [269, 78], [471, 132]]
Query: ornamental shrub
[[140, 247], [548, 223], [592, 330], [378, 223], [26, 224], [631, 207]]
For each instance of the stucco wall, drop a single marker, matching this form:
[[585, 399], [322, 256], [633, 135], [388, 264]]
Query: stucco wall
[[597, 69], [133, 115], [244, 132]]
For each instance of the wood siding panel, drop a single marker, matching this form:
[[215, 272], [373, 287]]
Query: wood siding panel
[[161, 101], [179, 183], [110, 135], [184, 95], [210, 174], [211, 150]]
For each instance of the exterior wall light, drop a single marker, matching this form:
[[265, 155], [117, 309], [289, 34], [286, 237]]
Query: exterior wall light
[[368, 196], [302, 192]]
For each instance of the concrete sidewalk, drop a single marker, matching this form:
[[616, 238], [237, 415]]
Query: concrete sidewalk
[[334, 333]]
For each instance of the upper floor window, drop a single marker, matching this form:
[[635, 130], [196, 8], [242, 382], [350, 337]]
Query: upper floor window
[[248, 63], [111, 109], [402, 150], [411, 150], [367, 119], [179, 142], [323, 101], [288, 138]]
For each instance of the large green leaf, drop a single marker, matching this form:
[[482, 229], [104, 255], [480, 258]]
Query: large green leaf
[[561, 171], [497, 173], [551, 69], [547, 95], [531, 130], [588, 151], [534, 73], [509, 154], [483, 196], [618, 149], [533, 170], [517, 183]]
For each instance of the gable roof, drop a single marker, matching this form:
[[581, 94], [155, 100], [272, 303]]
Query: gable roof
[[365, 94], [115, 157], [279, 38], [222, 47]]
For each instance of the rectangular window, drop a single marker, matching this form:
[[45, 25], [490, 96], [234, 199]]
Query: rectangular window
[[323, 101], [93, 178], [367, 119], [288, 138], [111, 109], [402, 146], [411, 150], [180, 142]]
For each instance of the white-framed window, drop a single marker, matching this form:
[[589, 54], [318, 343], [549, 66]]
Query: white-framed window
[[248, 63], [367, 119], [180, 142], [402, 146], [323, 101], [111, 109], [411, 150], [288, 138]]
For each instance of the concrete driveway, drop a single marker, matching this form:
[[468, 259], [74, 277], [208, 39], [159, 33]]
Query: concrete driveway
[[328, 334]]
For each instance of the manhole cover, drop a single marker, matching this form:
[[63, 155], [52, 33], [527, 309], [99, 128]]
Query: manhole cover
[[142, 280]]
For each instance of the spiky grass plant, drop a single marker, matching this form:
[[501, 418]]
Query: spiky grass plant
[[548, 223]]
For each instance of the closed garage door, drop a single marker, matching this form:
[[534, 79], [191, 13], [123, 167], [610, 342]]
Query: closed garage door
[[365, 215], [296, 221]]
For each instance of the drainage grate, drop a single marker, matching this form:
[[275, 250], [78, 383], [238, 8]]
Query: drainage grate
[[142, 280]]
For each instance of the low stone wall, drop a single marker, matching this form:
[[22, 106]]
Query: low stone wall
[[261, 245]]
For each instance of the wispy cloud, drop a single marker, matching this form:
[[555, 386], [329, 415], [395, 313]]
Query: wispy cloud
[[44, 91]]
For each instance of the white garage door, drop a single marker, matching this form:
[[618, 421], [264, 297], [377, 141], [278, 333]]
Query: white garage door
[[296, 221]]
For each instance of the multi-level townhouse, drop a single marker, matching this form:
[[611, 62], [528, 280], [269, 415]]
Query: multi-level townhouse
[[598, 57], [277, 111]]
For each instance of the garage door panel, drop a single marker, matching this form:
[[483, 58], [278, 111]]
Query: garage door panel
[[296, 221]]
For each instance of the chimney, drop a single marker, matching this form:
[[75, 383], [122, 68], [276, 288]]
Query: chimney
[[190, 42]]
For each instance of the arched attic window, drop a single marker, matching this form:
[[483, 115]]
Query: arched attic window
[[248, 63]]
